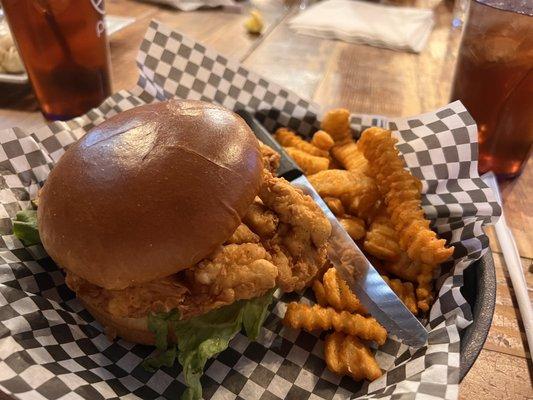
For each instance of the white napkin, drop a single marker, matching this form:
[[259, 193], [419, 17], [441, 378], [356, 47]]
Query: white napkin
[[398, 28], [191, 5]]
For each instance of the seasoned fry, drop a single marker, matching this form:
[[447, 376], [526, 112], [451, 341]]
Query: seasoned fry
[[325, 318], [334, 292], [308, 163], [424, 291], [335, 205], [287, 138], [346, 355], [320, 293], [350, 157], [405, 292], [337, 123], [354, 226], [401, 191], [336, 183], [358, 192], [404, 268], [381, 239], [322, 140]]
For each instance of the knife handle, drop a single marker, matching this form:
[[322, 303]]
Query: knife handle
[[288, 169]]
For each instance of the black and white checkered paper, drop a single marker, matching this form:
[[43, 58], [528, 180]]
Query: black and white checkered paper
[[51, 348]]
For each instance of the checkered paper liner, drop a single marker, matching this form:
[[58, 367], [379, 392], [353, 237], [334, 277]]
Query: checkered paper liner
[[50, 347]]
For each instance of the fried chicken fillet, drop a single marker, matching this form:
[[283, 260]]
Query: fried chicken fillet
[[280, 243]]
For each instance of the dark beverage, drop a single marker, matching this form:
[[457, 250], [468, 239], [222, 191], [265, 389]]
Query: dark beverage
[[64, 47], [494, 80]]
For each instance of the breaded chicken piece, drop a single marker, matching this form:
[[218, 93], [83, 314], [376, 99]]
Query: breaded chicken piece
[[261, 220], [136, 301], [271, 159], [234, 272], [299, 246], [242, 234], [295, 208]]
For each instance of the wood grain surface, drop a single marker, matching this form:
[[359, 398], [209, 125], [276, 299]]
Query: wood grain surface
[[366, 80]]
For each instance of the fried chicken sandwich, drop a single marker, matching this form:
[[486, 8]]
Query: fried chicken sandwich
[[171, 228]]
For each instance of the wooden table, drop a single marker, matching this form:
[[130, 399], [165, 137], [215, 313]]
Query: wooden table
[[363, 79]]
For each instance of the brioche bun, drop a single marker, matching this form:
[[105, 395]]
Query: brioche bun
[[134, 330], [149, 192]]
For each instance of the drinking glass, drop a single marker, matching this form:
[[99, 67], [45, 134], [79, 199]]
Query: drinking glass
[[64, 47], [494, 80]]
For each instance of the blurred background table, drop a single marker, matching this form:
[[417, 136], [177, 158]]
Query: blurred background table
[[363, 79]]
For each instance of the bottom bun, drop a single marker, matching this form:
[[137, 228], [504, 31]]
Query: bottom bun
[[133, 330]]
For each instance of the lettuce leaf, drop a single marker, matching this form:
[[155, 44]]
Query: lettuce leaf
[[159, 324], [203, 337], [25, 227], [254, 314]]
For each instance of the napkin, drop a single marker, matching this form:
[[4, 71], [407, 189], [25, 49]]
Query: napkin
[[191, 5], [397, 28]]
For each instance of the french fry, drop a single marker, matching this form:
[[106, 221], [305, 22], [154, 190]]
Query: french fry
[[322, 140], [381, 240], [308, 163], [334, 292], [354, 226], [424, 291], [337, 123], [358, 192], [402, 197], [405, 292], [300, 316], [335, 205], [287, 138], [404, 268], [346, 355], [350, 157]]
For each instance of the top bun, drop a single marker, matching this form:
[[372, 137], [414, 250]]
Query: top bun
[[149, 192]]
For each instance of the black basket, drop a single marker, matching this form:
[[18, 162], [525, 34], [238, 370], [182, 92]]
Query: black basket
[[479, 289]]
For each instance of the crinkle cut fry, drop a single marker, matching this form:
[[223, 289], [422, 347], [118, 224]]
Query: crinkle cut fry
[[424, 291], [335, 205], [300, 316], [334, 291], [405, 292], [336, 122], [355, 227], [357, 191], [402, 198], [404, 268], [287, 138], [308, 163], [350, 157], [322, 140], [346, 355], [381, 240]]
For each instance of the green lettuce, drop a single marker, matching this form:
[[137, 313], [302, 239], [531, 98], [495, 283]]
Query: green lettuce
[[159, 324], [203, 337], [25, 227]]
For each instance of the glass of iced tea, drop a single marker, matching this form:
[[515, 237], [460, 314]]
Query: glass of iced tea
[[64, 48], [494, 80]]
